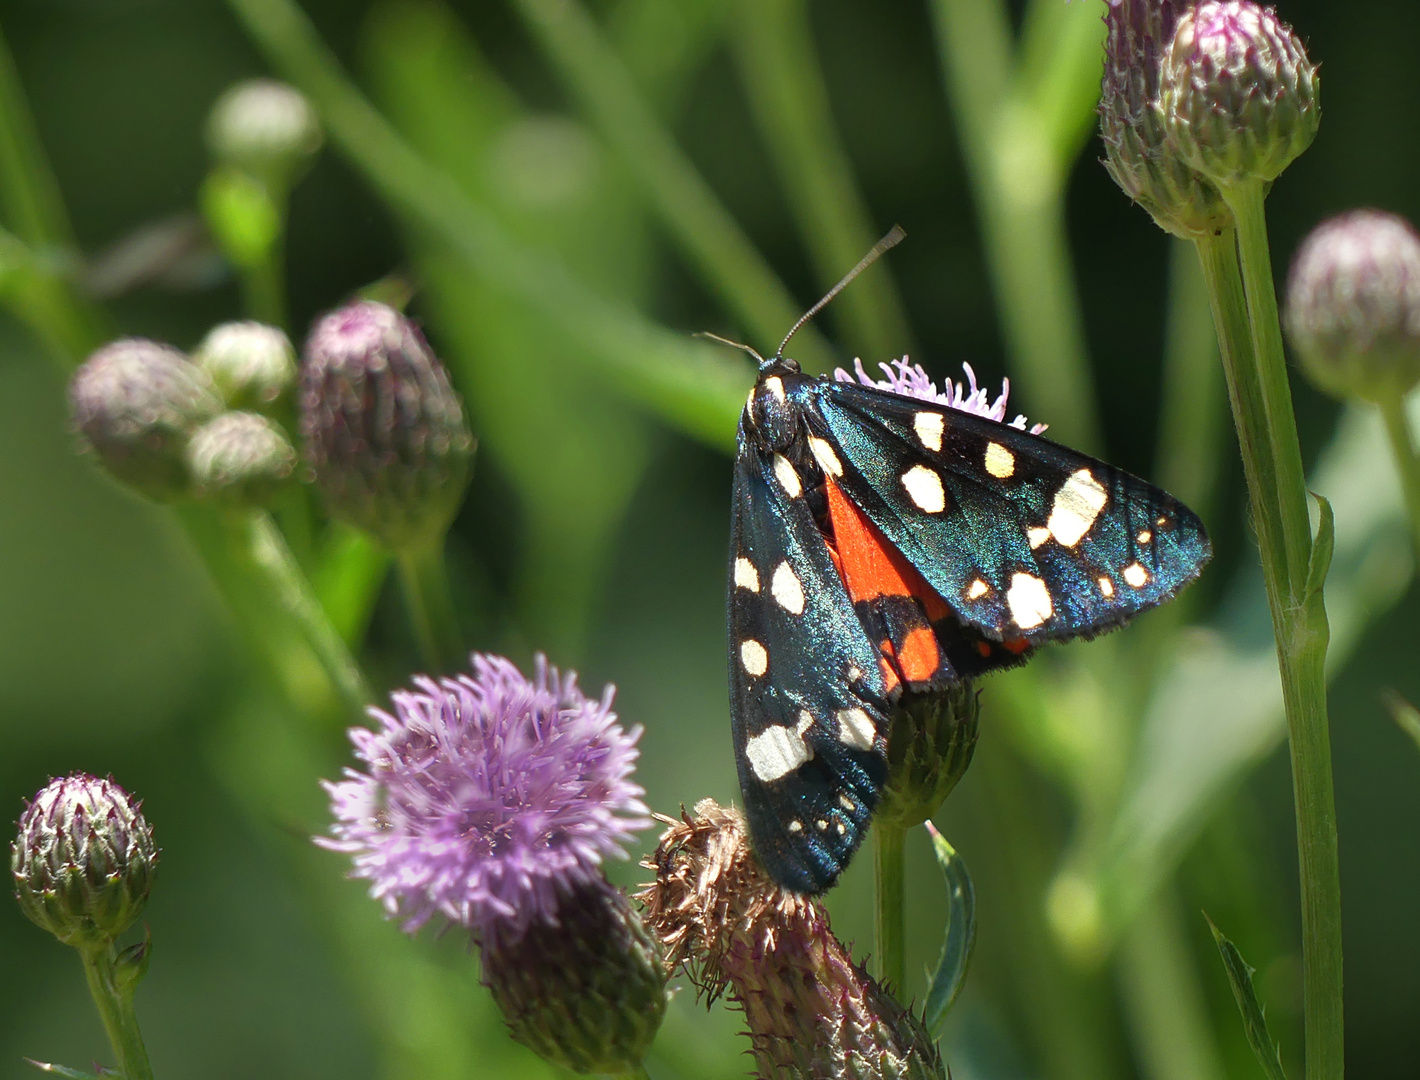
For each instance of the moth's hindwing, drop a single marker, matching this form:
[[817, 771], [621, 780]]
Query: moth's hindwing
[[1024, 539], [807, 696]]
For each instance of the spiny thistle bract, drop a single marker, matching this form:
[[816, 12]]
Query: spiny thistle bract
[[1138, 154], [252, 365], [1353, 306], [83, 860], [1237, 93], [241, 459], [813, 1014], [491, 800], [384, 431], [931, 743], [136, 403]]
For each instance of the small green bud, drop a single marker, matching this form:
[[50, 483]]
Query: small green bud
[[252, 365], [83, 860], [1238, 96], [1353, 306], [240, 459], [587, 993], [930, 745], [1138, 154], [136, 402], [384, 431], [264, 128]]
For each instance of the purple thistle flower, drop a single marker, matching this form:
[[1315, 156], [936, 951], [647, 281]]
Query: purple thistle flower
[[487, 799], [910, 380]]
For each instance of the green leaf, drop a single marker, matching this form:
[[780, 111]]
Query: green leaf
[[1323, 547], [1406, 715], [946, 982], [1254, 1022]]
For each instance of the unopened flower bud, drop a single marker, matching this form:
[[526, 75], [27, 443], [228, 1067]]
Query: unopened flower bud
[[1239, 98], [264, 128], [1353, 306], [811, 1011], [1137, 151], [136, 402], [252, 365], [240, 459], [384, 430], [587, 992], [83, 861], [931, 743]]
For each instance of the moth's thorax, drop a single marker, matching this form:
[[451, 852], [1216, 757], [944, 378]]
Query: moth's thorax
[[773, 416]]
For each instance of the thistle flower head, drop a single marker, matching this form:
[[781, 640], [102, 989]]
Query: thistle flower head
[[241, 459], [1138, 154], [135, 403], [909, 380], [264, 128], [252, 365], [487, 798], [587, 992], [384, 430], [812, 1012], [1237, 93], [1353, 305], [83, 860], [930, 745]]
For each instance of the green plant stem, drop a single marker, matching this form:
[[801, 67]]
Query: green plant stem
[[785, 85], [700, 223], [693, 387], [1402, 448], [1262, 413], [1018, 181], [425, 580], [115, 1005], [264, 286], [890, 912]]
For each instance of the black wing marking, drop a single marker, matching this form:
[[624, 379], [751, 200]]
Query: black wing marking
[[808, 701], [1034, 542]]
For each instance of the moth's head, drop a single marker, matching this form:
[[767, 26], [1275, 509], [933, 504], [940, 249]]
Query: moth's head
[[769, 411]]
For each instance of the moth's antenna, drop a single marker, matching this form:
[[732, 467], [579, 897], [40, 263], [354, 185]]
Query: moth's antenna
[[732, 344], [891, 240]]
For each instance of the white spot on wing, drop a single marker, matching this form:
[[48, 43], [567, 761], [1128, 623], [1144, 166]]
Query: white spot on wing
[[1077, 504], [1037, 536], [1029, 601], [824, 455], [1106, 587], [787, 591], [788, 477], [977, 590], [754, 657], [796, 825], [746, 576], [1144, 537], [856, 729], [776, 752], [929, 427], [847, 803], [775, 385], [806, 721], [1000, 462], [925, 489], [1136, 575]]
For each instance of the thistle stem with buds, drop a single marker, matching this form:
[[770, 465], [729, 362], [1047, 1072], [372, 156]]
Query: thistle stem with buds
[[115, 1005], [424, 577]]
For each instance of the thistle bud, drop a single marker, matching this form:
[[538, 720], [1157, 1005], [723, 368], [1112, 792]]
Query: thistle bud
[[1238, 96], [932, 740], [587, 992], [1137, 151], [384, 430], [252, 365], [241, 459], [811, 1011], [1353, 306], [264, 128], [136, 402], [83, 861]]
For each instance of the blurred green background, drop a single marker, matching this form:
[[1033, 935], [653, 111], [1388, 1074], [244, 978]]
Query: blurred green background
[[596, 531]]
